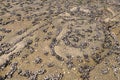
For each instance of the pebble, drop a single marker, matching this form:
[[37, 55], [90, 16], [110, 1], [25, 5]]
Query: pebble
[[41, 71], [79, 59], [85, 70], [19, 71], [29, 42], [37, 39], [86, 57], [38, 60], [2, 78], [26, 73], [33, 77], [4, 30], [117, 59], [69, 64], [31, 49], [1, 37], [97, 58], [105, 71], [12, 70], [46, 53], [22, 31], [50, 65], [56, 76], [59, 58]]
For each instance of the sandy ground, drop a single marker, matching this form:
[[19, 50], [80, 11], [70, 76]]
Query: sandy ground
[[59, 40]]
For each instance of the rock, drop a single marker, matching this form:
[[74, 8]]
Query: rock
[[69, 64], [97, 58], [38, 60], [33, 77], [41, 71], [105, 71], [29, 42], [59, 58], [12, 70], [26, 73], [56, 76], [19, 71], [50, 65], [2, 78], [46, 53]]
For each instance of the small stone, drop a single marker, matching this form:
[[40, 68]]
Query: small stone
[[37, 39], [59, 58], [38, 60], [46, 53], [27, 73], [29, 42], [1, 78], [19, 71], [104, 71], [50, 64], [42, 71]]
